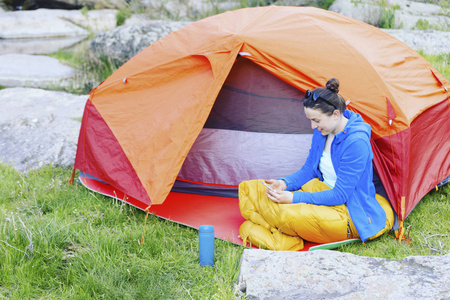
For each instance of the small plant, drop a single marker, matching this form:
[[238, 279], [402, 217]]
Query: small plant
[[123, 13], [325, 4], [84, 11], [422, 24], [387, 15], [256, 3], [357, 2], [444, 4]]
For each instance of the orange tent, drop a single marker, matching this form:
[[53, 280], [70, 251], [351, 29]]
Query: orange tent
[[140, 124]]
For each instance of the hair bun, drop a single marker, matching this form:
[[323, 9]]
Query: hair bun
[[333, 85]]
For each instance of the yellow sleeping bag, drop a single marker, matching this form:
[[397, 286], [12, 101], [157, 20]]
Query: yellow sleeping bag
[[276, 226]]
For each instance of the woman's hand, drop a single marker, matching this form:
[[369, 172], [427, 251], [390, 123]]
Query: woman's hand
[[282, 197], [277, 185], [276, 192]]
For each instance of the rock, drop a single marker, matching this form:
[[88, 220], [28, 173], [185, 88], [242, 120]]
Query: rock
[[98, 4], [325, 274], [187, 10], [39, 127], [124, 42], [36, 24], [428, 41], [397, 14], [36, 4], [39, 45], [314, 3], [43, 23], [33, 71]]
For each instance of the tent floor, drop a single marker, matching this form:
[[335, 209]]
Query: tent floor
[[196, 210]]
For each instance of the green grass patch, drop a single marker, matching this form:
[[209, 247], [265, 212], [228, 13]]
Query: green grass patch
[[73, 58], [440, 61], [62, 241], [387, 15], [428, 227], [423, 24], [91, 69]]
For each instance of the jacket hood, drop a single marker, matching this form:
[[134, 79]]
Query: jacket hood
[[355, 124]]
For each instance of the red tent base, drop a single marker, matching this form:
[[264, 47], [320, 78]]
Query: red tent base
[[196, 210]]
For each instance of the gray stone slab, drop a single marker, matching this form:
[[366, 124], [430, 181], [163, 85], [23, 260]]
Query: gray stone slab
[[33, 71], [36, 23], [326, 274], [37, 46], [39, 127]]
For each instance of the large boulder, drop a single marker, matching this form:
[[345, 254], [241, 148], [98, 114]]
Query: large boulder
[[325, 274], [396, 14], [39, 127], [124, 42], [34, 71]]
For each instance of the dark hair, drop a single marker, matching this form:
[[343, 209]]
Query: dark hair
[[331, 94]]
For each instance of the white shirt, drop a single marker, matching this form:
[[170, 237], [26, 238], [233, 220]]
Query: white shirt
[[327, 170]]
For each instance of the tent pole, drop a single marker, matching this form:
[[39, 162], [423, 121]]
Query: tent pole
[[401, 229], [72, 178]]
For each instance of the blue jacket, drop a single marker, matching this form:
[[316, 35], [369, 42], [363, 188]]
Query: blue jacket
[[351, 155]]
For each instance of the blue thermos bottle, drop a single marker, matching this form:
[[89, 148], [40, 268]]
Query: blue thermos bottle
[[206, 245]]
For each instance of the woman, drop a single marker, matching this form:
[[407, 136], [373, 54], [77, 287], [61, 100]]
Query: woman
[[332, 197]]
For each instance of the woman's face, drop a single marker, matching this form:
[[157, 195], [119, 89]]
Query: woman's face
[[324, 123]]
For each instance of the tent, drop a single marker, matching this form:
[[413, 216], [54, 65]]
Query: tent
[[219, 101]]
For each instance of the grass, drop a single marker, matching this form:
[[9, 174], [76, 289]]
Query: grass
[[440, 61], [61, 241], [428, 227], [91, 69]]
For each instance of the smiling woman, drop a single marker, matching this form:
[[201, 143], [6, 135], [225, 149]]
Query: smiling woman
[[332, 197]]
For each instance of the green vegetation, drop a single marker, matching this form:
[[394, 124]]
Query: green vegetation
[[129, 8], [123, 14], [61, 241], [387, 15], [325, 4], [441, 3], [427, 226], [91, 69], [84, 11], [423, 24], [440, 61]]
